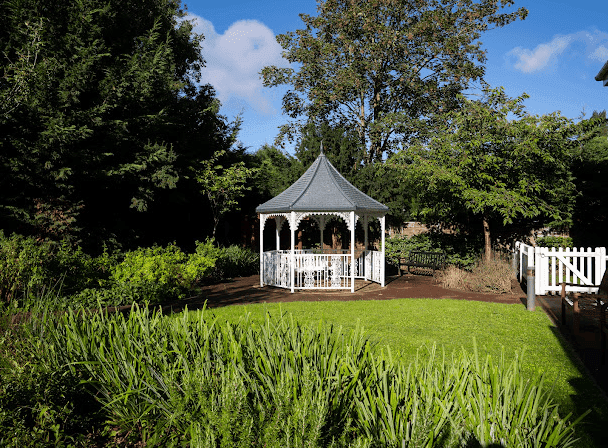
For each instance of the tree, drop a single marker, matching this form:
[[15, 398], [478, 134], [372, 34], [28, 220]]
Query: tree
[[497, 168], [275, 171], [222, 186], [590, 170], [101, 113], [383, 68]]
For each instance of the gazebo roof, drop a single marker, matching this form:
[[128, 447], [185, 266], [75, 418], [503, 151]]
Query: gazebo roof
[[322, 188]]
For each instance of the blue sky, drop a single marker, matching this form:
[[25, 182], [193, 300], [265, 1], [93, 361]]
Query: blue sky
[[553, 55]]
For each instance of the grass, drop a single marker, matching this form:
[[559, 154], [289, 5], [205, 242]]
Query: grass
[[406, 325]]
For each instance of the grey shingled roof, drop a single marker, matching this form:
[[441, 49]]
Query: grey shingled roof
[[321, 188]]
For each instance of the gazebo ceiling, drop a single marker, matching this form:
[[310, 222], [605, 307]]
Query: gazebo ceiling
[[322, 188]]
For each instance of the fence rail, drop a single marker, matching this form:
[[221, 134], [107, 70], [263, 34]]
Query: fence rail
[[583, 267]]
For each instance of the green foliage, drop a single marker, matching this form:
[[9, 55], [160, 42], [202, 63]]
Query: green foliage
[[274, 171], [236, 261], [554, 241], [487, 166], [102, 115], [590, 170], [460, 249], [383, 69], [203, 261], [191, 379], [223, 186], [29, 267], [157, 273], [47, 409], [22, 266]]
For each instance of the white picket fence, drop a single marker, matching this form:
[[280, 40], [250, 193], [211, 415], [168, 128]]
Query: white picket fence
[[583, 267]]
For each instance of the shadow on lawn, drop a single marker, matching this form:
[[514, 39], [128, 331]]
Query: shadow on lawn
[[587, 396], [584, 351]]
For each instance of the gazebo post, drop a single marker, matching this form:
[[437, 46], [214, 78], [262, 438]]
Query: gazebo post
[[382, 260], [279, 221], [321, 222], [352, 252], [292, 258], [366, 244], [262, 219]]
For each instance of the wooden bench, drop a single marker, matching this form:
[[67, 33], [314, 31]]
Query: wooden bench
[[593, 305], [426, 260]]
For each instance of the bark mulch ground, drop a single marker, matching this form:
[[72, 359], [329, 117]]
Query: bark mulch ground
[[247, 290]]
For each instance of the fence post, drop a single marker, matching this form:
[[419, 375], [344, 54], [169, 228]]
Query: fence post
[[531, 297], [513, 259]]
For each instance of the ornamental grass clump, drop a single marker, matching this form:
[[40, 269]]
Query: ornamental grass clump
[[193, 380], [492, 275]]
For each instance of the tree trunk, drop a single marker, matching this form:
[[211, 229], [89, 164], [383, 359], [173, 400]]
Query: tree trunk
[[486, 237]]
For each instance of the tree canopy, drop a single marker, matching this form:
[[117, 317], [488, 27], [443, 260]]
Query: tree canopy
[[100, 113], [384, 68], [495, 167], [590, 170]]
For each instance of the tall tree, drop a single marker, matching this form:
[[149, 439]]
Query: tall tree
[[96, 95], [591, 178], [497, 168], [385, 67]]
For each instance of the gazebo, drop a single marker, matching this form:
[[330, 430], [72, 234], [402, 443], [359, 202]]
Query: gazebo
[[321, 192]]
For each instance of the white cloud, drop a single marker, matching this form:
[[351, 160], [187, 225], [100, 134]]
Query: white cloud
[[529, 61], [235, 58], [600, 54]]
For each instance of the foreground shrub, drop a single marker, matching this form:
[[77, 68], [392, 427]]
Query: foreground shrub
[[190, 380], [154, 274], [47, 409], [22, 266], [29, 267]]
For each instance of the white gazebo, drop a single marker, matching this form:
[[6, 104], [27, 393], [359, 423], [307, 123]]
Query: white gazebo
[[320, 193]]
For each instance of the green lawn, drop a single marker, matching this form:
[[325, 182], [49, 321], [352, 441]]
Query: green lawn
[[406, 325]]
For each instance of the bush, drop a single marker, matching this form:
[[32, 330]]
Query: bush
[[29, 267], [232, 261], [47, 409], [156, 273], [236, 261], [554, 241], [23, 266], [461, 250], [492, 275]]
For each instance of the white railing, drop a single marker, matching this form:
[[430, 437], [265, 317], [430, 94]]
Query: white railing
[[312, 269], [523, 257], [579, 266]]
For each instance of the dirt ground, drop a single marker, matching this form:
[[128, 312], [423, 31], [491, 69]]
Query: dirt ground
[[247, 290]]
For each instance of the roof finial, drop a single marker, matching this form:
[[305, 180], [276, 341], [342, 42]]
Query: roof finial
[[321, 148]]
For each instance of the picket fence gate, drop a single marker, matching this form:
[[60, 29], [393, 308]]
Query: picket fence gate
[[584, 267]]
